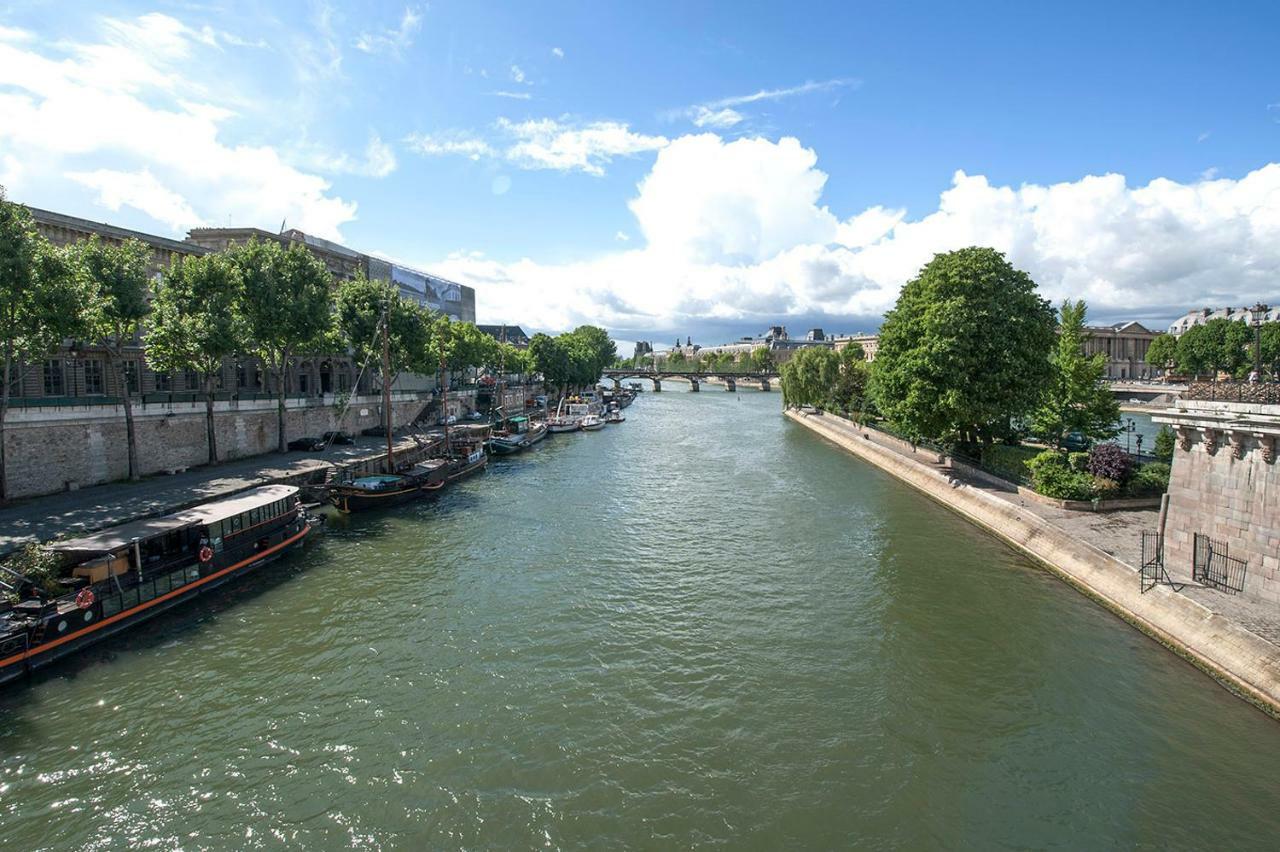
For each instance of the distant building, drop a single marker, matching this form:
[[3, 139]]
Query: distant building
[[1202, 316], [1125, 346], [814, 335], [643, 348], [512, 334], [870, 343]]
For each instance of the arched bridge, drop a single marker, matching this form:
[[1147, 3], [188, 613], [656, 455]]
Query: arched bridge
[[762, 379]]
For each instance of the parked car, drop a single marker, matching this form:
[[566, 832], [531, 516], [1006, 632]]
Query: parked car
[[307, 445], [338, 438], [1076, 442]]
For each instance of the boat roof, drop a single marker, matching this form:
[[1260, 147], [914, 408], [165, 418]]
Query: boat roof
[[114, 538]]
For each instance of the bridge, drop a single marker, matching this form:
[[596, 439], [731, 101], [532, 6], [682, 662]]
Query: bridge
[[762, 379]]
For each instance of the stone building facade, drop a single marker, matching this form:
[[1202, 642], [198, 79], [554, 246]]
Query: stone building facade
[[1203, 315], [1225, 490], [1125, 346]]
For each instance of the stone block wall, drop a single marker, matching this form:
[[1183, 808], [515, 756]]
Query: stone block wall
[[1225, 484], [47, 451]]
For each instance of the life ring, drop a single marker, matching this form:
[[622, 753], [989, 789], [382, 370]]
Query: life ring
[[85, 598], [206, 553]]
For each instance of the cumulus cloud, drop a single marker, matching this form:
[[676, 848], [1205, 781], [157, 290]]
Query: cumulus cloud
[[545, 143], [379, 160], [121, 116], [737, 231]]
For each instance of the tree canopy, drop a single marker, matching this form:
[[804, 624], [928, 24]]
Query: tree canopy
[[965, 349], [1076, 397]]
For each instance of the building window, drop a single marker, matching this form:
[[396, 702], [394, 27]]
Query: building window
[[190, 380], [93, 376], [344, 382], [242, 376], [302, 383], [53, 385], [131, 376], [164, 382]]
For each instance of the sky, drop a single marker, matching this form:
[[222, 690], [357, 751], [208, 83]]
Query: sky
[[679, 169]]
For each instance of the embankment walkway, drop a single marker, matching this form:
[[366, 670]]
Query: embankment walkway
[[1098, 553], [89, 509]]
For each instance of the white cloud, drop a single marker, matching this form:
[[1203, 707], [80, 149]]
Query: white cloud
[[140, 190], [719, 118], [1204, 136], [519, 96], [557, 52], [622, 237], [379, 160], [549, 144], [517, 74], [737, 231], [392, 40], [433, 145], [15, 34], [126, 118]]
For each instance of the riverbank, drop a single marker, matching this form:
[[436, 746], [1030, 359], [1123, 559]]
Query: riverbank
[[1237, 656]]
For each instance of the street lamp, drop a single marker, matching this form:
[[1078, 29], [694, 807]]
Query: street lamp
[[1129, 429], [1258, 311]]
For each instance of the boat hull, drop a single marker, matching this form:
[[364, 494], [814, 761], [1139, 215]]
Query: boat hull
[[358, 500], [94, 628]]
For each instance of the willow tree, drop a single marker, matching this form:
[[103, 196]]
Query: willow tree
[[965, 349], [119, 275], [196, 324], [286, 307], [44, 298]]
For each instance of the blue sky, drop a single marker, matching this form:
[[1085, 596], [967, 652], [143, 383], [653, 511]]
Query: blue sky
[[664, 168]]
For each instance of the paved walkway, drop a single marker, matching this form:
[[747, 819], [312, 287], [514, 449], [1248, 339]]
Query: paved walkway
[[89, 509], [1118, 533]]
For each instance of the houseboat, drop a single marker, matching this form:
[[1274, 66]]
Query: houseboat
[[124, 575], [383, 490]]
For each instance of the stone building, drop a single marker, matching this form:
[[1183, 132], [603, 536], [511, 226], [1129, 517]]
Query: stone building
[[1222, 523], [1203, 315], [1125, 345], [870, 343]]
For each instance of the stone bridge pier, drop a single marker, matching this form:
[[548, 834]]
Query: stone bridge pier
[[730, 384], [764, 384], [657, 385], [617, 383], [693, 385]]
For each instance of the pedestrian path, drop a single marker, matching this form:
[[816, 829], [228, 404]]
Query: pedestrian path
[[88, 509]]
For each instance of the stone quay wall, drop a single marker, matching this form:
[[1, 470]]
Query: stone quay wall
[[73, 447], [1246, 663], [1225, 484]]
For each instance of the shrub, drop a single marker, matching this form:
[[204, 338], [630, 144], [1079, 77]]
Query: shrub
[[1052, 476], [1163, 448], [1105, 489], [1008, 461], [1151, 478], [1110, 461], [1078, 461]]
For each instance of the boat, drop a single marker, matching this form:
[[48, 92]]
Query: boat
[[569, 414], [592, 422], [121, 576], [382, 490], [510, 436], [464, 450], [537, 431], [614, 416]]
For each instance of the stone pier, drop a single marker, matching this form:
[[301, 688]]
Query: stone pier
[[693, 385], [730, 384]]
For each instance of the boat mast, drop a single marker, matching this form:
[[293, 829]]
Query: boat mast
[[502, 372], [444, 393], [386, 390]]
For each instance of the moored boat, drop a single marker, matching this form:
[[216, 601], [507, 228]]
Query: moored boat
[[382, 490], [121, 576], [614, 416], [592, 422]]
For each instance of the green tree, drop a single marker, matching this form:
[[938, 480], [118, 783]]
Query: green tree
[[811, 377], [358, 312], [762, 360], [286, 308], [1195, 351], [851, 387], [856, 351], [1163, 352], [1163, 449], [1270, 334], [965, 350], [119, 275], [44, 298], [676, 360], [196, 324], [550, 359], [1220, 345], [1076, 397]]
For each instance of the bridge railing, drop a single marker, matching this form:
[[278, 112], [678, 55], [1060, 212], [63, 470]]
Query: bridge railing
[[1265, 393]]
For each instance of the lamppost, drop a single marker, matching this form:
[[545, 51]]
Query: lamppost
[[1139, 439], [1257, 311], [1129, 428]]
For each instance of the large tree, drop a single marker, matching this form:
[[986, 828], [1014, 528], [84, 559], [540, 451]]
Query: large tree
[[196, 323], [550, 359], [1218, 345], [1076, 397], [1270, 334], [1162, 353], [358, 314], [965, 350], [120, 275], [810, 377], [286, 307], [44, 298]]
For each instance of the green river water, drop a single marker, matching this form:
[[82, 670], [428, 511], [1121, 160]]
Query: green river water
[[704, 627]]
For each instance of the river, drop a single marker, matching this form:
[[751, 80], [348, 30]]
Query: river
[[704, 626]]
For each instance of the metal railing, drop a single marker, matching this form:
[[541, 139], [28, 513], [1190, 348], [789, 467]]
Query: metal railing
[[1212, 564], [1151, 571], [1264, 393]]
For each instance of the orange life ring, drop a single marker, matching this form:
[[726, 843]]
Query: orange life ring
[[85, 598], [206, 553]]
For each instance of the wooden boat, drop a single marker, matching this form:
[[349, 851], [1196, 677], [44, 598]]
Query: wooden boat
[[537, 431], [124, 575], [382, 490], [465, 451]]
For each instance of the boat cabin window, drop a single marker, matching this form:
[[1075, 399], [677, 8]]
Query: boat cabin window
[[250, 518]]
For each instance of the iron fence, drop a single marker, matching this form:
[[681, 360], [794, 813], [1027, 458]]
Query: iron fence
[[1213, 565], [1266, 393], [1151, 571]]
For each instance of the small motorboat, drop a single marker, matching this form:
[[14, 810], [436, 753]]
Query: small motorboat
[[591, 423], [614, 416]]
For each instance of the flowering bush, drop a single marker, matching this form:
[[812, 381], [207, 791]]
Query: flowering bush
[[1110, 461]]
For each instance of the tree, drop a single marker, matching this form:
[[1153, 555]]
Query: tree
[[44, 298], [119, 275], [1164, 443], [1270, 335], [597, 350], [358, 310], [1162, 353], [1195, 351], [1076, 397], [810, 377], [196, 324], [550, 359], [965, 350], [286, 307], [856, 351], [850, 393], [762, 360], [1218, 345]]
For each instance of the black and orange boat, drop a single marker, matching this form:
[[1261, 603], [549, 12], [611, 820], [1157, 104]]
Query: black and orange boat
[[124, 575]]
